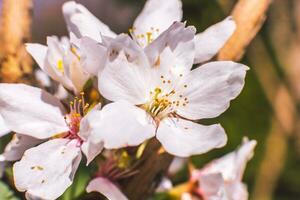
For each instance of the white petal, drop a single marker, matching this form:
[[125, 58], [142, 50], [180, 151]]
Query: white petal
[[232, 165], [210, 88], [17, 146], [61, 93], [176, 165], [55, 63], [38, 52], [179, 39], [77, 74], [212, 187], [107, 188], [209, 42], [119, 125], [157, 16], [184, 138], [83, 23], [31, 111], [124, 80], [91, 150], [3, 128], [237, 191], [89, 147], [42, 78], [93, 55], [47, 170]]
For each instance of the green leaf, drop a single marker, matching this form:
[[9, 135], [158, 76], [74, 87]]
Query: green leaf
[[6, 193]]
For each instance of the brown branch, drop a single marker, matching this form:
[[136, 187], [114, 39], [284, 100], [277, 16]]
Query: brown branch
[[249, 16], [152, 167], [273, 163], [283, 122], [15, 31]]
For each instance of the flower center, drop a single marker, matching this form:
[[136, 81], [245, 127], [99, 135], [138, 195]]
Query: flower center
[[78, 108], [165, 103]]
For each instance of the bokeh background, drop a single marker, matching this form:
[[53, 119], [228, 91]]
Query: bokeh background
[[267, 109]]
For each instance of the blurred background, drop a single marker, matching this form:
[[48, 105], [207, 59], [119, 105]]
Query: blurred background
[[267, 109]]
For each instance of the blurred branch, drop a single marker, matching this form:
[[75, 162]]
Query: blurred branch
[[283, 121], [153, 165], [272, 164], [15, 31], [249, 16]]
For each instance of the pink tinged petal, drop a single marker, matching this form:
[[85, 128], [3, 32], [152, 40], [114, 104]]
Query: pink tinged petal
[[124, 80], [210, 88], [232, 165], [47, 170], [209, 42], [157, 16], [31, 111], [17, 146], [119, 125], [83, 23], [185, 138], [237, 191], [3, 128], [105, 187], [178, 38], [212, 187], [38, 52]]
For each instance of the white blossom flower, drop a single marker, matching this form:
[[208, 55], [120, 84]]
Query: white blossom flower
[[71, 64], [222, 178], [155, 18], [45, 171], [155, 92]]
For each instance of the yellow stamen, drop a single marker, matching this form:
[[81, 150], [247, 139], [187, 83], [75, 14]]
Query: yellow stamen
[[60, 66]]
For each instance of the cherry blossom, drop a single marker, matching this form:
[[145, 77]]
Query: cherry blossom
[[71, 63], [222, 178], [155, 92], [156, 17]]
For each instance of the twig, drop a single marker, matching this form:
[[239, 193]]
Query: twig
[[15, 31], [249, 16]]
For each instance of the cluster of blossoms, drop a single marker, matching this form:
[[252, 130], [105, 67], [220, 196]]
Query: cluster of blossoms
[[155, 86]]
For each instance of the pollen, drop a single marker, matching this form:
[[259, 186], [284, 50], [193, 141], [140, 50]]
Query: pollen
[[149, 37], [37, 168], [74, 51], [60, 66]]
